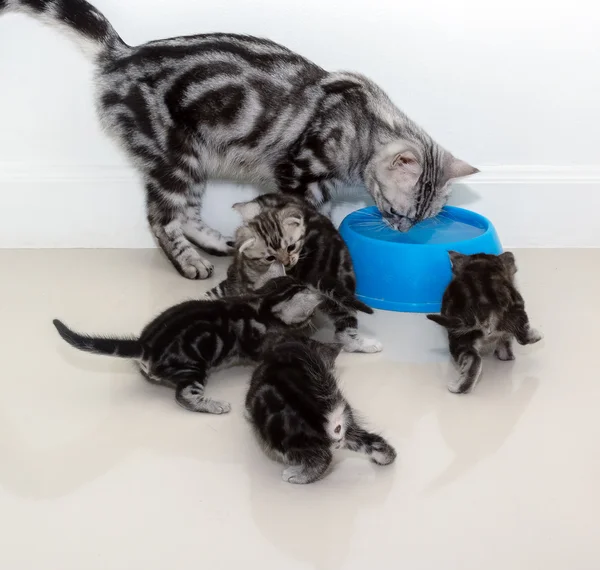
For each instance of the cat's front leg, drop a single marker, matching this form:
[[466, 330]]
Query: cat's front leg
[[346, 329], [469, 364], [167, 218]]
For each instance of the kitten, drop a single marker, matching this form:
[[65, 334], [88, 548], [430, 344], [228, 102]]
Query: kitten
[[284, 235], [483, 311], [233, 106], [299, 414], [181, 346]]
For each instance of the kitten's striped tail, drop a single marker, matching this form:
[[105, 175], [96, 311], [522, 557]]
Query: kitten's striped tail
[[77, 18], [124, 348]]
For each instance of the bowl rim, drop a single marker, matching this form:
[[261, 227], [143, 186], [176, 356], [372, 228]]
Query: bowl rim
[[467, 215]]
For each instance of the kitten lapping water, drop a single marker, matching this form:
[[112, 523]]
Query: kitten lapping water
[[482, 311], [299, 414], [181, 346], [284, 235]]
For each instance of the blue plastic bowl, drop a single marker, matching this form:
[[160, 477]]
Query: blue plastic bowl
[[409, 271]]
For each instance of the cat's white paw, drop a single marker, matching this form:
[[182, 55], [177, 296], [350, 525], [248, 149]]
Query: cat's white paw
[[295, 474], [533, 336], [216, 407], [193, 266], [353, 341]]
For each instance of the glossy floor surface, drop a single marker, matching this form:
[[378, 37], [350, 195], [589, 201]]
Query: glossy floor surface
[[100, 470]]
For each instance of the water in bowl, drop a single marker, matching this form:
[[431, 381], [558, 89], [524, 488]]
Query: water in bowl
[[444, 228]]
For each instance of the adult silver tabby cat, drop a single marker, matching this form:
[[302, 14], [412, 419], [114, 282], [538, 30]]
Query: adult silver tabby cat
[[221, 105]]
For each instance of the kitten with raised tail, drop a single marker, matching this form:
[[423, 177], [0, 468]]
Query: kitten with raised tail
[[299, 413], [482, 311], [181, 346], [234, 106], [285, 235]]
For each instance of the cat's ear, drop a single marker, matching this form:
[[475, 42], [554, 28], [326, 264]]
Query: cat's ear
[[508, 260], [244, 238], [292, 217], [407, 161], [248, 210], [457, 260], [457, 168], [329, 352], [245, 245]]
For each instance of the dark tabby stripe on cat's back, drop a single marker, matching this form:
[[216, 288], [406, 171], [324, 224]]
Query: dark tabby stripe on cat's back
[[232, 106]]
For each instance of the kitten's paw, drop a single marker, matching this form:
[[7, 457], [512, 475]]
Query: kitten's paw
[[216, 407], [296, 474], [533, 336], [193, 266], [353, 341], [383, 453], [505, 353]]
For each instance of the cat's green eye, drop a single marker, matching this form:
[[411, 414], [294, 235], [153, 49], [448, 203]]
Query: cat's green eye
[[270, 258]]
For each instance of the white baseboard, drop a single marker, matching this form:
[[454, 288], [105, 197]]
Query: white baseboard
[[50, 206]]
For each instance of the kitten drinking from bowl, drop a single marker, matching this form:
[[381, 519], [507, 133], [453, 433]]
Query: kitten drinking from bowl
[[482, 311]]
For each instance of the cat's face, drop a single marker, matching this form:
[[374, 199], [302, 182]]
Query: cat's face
[[271, 241], [409, 184]]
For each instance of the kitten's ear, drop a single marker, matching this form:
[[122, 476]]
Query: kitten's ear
[[406, 160], [244, 238], [248, 243], [329, 352], [508, 259], [248, 210], [457, 260], [459, 169], [292, 217]]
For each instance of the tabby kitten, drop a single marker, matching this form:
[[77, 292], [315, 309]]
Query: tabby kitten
[[299, 414], [232, 106], [284, 235], [181, 346], [483, 311]]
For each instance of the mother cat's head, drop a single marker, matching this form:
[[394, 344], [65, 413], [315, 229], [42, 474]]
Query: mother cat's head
[[410, 180], [406, 172]]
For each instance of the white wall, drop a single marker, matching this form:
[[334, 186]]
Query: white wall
[[511, 86]]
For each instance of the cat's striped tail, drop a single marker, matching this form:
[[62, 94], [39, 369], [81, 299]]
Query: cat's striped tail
[[82, 22], [124, 348]]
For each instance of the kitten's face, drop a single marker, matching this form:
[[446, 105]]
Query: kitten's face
[[410, 185], [272, 241]]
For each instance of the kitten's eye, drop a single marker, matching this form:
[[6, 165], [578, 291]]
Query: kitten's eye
[[291, 247], [270, 258]]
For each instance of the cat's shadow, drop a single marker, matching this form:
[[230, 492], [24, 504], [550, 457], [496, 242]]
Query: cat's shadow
[[285, 513]]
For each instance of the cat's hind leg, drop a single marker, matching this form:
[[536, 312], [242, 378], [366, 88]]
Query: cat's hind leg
[[346, 329], [189, 389], [374, 446], [469, 364], [196, 230], [308, 465], [504, 349]]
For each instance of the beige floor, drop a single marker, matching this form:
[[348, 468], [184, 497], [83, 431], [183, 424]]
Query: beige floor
[[100, 470]]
